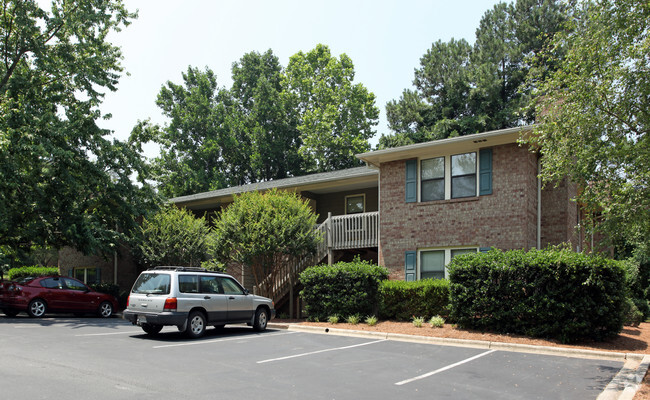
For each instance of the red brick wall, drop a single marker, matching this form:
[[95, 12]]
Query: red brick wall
[[127, 271], [559, 214], [506, 219]]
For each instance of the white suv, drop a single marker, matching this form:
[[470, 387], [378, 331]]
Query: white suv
[[191, 299]]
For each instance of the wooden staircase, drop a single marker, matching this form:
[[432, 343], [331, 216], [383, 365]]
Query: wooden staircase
[[338, 233]]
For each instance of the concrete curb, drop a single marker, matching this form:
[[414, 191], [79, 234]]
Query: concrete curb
[[623, 387]]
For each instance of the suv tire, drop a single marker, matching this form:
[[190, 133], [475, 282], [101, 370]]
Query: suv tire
[[152, 329], [195, 325], [261, 319]]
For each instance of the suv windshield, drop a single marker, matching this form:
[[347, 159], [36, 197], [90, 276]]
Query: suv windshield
[[152, 283]]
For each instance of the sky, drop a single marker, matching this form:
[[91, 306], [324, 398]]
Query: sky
[[384, 39]]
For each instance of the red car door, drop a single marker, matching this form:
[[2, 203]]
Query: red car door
[[78, 296], [52, 291]]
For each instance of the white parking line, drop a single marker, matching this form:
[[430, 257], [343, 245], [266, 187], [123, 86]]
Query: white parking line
[[246, 337], [320, 351], [444, 368], [107, 334]]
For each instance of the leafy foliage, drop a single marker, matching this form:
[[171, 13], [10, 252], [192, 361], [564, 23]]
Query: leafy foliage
[[594, 115], [341, 289], [34, 272], [271, 124], [462, 89], [173, 236], [335, 116], [266, 232], [551, 293], [62, 182], [400, 300]]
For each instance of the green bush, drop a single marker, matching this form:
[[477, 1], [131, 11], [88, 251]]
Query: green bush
[[400, 300], [551, 293], [35, 271], [341, 289]]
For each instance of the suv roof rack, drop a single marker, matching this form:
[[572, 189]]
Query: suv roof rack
[[169, 268]]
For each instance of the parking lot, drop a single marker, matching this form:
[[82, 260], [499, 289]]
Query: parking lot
[[59, 358]]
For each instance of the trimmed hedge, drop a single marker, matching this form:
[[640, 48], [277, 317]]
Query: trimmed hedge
[[550, 293], [35, 271], [343, 289], [400, 300]]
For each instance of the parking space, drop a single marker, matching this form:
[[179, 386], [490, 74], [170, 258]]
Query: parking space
[[111, 359]]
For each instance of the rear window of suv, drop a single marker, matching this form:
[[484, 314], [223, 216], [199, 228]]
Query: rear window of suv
[[152, 283]]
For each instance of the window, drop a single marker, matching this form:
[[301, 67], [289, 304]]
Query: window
[[432, 179], [463, 175], [52, 283], [87, 275], [355, 204], [449, 177], [152, 283], [230, 286], [74, 284], [209, 284], [432, 263], [188, 283]]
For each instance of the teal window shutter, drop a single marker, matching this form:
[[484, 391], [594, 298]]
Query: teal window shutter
[[485, 172], [410, 262], [98, 275], [411, 181]]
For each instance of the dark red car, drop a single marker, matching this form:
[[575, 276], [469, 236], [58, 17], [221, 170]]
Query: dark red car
[[37, 296]]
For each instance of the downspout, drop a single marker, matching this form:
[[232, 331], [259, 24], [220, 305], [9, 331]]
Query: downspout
[[539, 203]]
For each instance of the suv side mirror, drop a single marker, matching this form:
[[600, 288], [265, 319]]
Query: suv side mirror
[[246, 292]]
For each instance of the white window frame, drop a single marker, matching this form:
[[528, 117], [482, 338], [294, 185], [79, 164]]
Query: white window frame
[[447, 251], [447, 175], [345, 204]]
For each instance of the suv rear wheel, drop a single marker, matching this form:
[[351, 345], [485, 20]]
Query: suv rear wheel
[[195, 325], [151, 329]]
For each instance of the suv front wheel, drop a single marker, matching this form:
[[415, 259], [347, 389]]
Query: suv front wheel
[[195, 325], [261, 319]]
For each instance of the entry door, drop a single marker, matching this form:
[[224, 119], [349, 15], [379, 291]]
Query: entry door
[[240, 305]]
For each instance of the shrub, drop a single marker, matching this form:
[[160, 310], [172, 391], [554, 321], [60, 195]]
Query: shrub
[[35, 271], [342, 289], [353, 319], [418, 321], [333, 319], [437, 322], [371, 320], [399, 300], [552, 293]]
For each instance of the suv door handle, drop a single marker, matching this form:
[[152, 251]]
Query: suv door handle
[[206, 298], [231, 298]]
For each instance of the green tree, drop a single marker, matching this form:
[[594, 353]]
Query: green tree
[[594, 114], [274, 136], [335, 116], [266, 232], [62, 182], [462, 89], [173, 236]]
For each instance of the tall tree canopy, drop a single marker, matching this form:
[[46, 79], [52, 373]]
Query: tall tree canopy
[[335, 115], [594, 114], [271, 124], [462, 89], [62, 182]]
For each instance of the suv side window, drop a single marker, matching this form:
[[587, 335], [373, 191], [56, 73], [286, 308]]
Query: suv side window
[[210, 284], [188, 283], [230, 287]]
